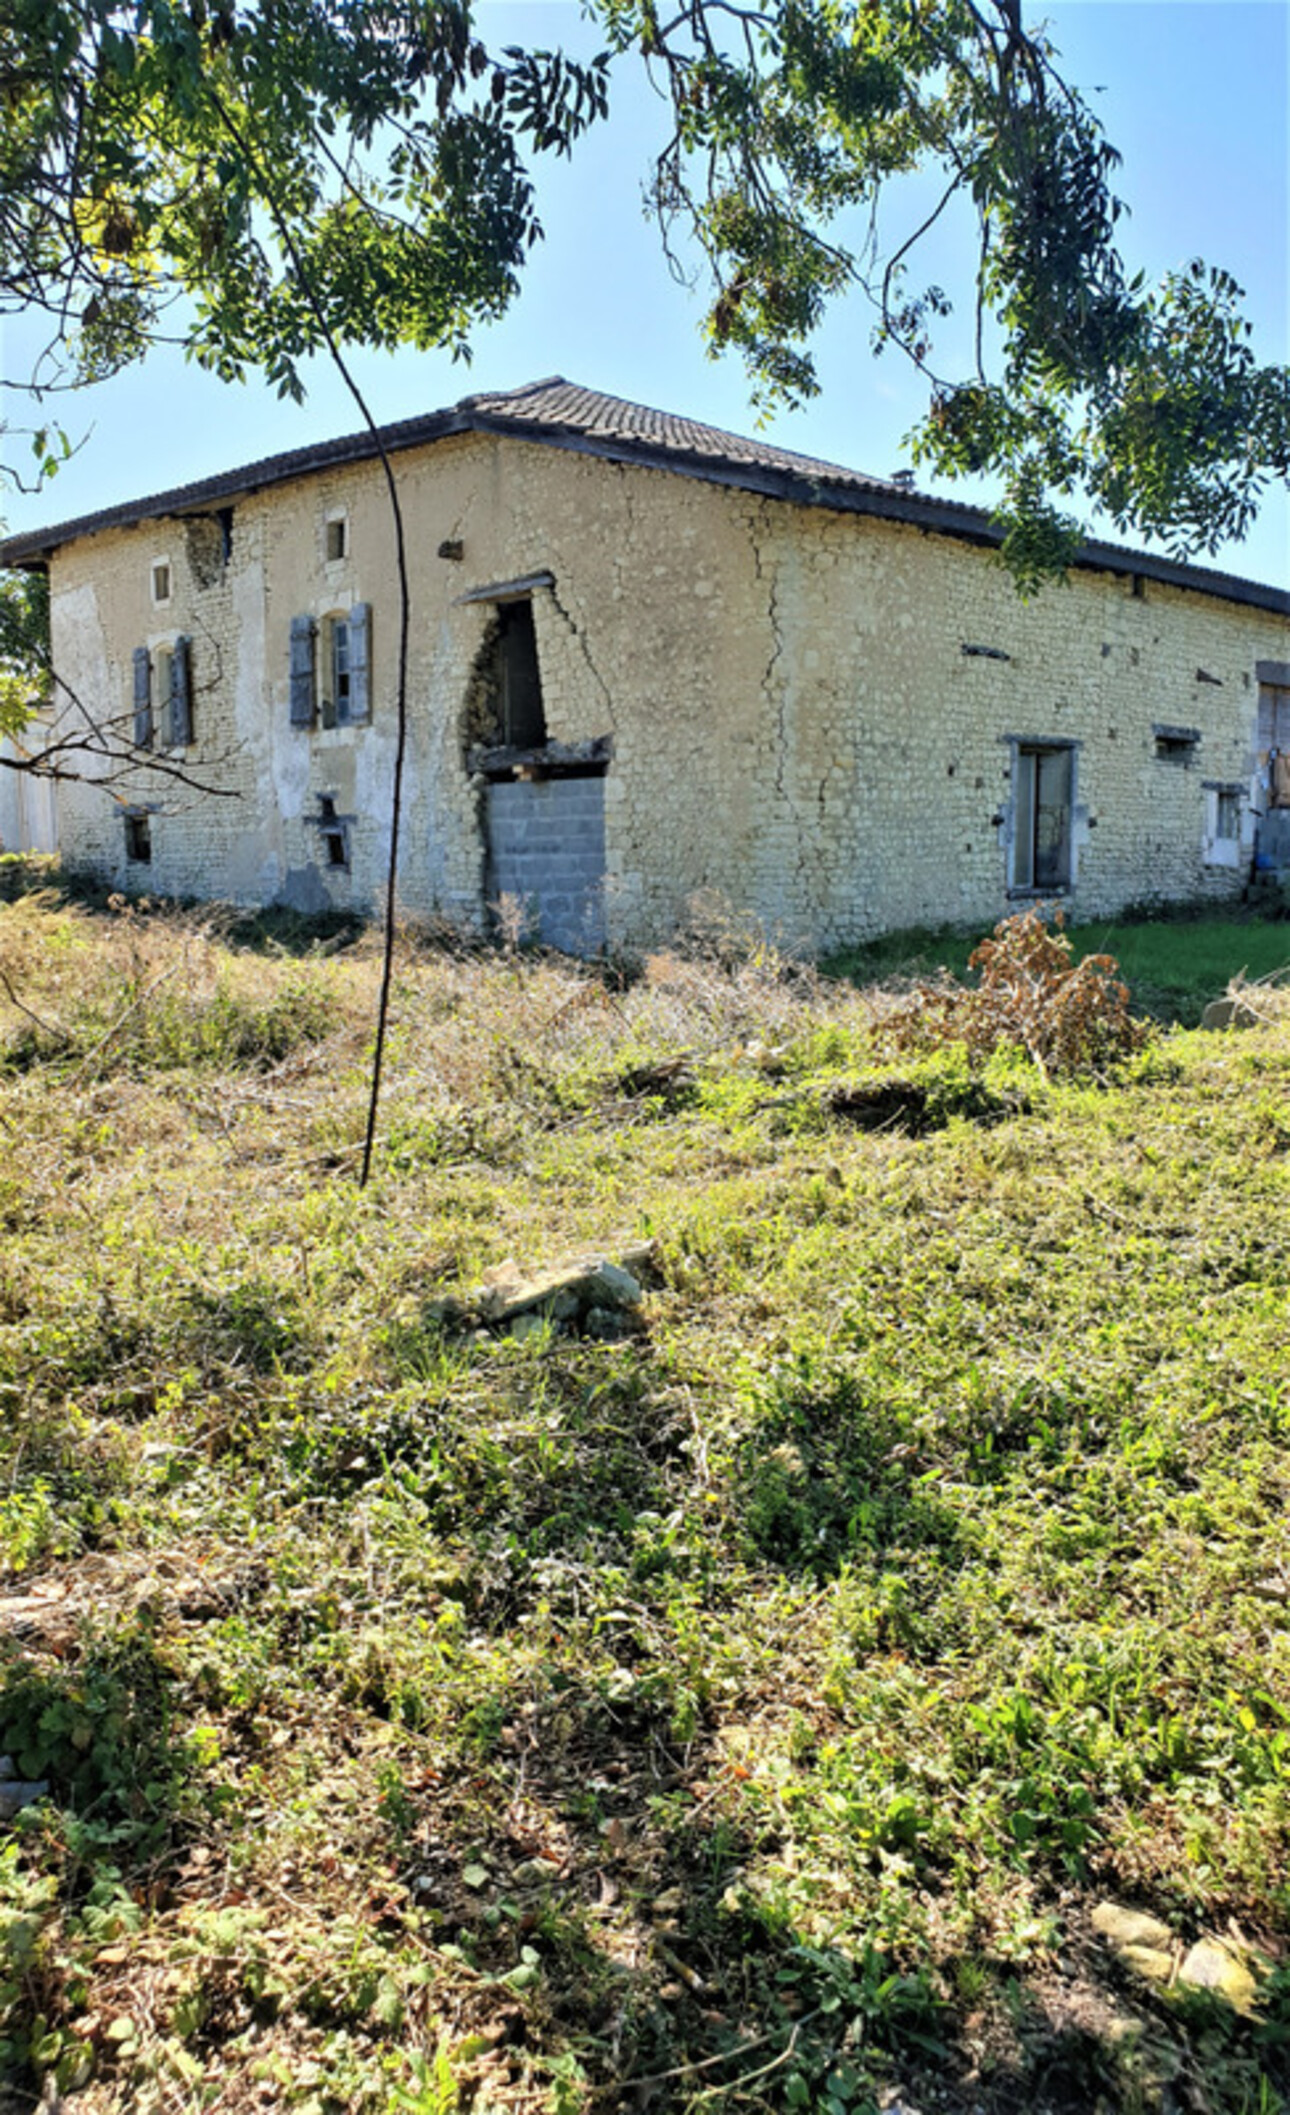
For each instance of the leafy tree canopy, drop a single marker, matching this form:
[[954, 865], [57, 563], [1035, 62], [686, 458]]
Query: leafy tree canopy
[[24, 646], [256, 176]]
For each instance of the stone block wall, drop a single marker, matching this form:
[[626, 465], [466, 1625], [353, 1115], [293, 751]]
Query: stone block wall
[[815, 714], [547, 854]]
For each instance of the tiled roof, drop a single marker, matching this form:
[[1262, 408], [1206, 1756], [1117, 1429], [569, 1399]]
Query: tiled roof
[[561, 414], [562, 407]]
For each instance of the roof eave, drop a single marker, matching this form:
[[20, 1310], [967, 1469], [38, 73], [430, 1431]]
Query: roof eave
[[38, 546], [937, 517]]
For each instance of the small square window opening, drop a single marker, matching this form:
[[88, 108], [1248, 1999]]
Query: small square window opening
[[138, 839], [1176, 745], [336, 539], [161, 581]]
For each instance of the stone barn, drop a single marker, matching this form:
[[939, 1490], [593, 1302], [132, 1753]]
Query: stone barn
[[647, 658]]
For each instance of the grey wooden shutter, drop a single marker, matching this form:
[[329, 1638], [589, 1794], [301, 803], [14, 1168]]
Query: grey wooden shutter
[[360, 658], [142, 698], [303, 635], [181, 693], [1274, 717]]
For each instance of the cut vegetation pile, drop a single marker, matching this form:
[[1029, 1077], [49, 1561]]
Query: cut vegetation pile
[[825, 1648]]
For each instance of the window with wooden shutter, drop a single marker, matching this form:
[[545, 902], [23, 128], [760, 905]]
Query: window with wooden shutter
[[142, 698], [1274, 716], [181, 693], [303, 637], [360, 656]]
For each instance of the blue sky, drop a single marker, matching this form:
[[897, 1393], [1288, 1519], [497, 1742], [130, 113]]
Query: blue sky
[[1195, 93]]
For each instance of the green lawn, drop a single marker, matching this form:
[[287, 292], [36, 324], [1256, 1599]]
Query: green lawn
[[1174, 964]]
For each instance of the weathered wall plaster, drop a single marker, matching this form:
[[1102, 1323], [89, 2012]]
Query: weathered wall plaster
[[794, 720]]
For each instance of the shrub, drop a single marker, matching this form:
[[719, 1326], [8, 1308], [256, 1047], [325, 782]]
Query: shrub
[[1068, 1016]]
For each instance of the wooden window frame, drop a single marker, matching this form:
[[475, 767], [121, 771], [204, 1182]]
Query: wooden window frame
[[1027, 754]]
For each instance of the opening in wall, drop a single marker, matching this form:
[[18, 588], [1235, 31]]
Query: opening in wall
[[335, 671], [1043, 799], [519, 682], [334, 834], [343, 667], [1176, 745], [138, 836], [1274, 743], [1225, 811], [163, 663]]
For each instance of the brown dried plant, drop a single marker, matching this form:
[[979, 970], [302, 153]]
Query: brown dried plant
[[1069, 1016]]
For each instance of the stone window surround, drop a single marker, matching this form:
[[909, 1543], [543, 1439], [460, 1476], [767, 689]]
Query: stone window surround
[[1219, 847], [1026, 745], [1175, 745]]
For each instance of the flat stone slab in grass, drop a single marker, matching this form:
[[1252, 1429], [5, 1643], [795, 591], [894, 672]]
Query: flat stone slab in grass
[[564, 1290], [1131, 1927], [1230, 1013], [1212, 1966], [1145, 1943]]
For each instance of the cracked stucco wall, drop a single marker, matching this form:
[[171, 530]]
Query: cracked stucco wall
[[794, 722]]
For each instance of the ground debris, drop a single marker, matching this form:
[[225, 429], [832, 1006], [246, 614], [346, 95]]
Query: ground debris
[[1230, 1013], [595, 1294], [1143, 1942], [50, 1616]]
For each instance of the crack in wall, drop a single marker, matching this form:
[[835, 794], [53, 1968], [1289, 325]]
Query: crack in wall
[[768, 578], [774, 686], [581, 637]]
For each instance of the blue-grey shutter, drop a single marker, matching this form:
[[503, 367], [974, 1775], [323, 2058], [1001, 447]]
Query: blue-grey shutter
[[303, 635], [181, 693], [360, 661], [142, 698]]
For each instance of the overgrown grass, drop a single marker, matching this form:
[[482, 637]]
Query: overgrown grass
[[745, 1711]]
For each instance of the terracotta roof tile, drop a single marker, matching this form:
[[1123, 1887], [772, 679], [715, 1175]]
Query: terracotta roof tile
[[566, 407]]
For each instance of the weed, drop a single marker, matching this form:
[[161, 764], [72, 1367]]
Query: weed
[[1031, 994], [101, 1732]]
